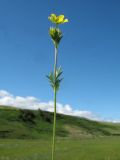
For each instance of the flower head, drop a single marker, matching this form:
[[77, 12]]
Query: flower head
[[57, 19], [56, 35]]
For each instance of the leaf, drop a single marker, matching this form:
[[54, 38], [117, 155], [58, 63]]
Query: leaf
[[55, 81]]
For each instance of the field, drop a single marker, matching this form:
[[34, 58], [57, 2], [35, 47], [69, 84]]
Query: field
[[66, 149], [26, 135]]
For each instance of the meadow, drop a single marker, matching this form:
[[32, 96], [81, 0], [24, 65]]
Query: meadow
[[27, 135], [105, 148]]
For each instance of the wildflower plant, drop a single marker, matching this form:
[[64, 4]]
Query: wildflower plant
[[55, 76]]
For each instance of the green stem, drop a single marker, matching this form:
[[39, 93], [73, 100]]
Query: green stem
[[54, 126], [55, 97]]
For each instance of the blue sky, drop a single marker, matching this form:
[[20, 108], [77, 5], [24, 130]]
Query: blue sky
[[89, 52]]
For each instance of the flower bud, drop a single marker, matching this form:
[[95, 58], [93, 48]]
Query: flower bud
[[56, 35]]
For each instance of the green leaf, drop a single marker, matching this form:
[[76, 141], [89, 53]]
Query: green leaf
[[55, 81]]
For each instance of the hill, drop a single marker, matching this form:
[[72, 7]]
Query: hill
[[34, 124]]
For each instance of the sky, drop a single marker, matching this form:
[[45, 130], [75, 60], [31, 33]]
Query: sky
[[89, 54]]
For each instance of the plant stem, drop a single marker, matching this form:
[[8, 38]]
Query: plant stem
[[54, 126], [55, 97]]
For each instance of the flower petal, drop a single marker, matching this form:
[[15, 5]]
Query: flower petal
[[53, 18], [60, 19], [66, 20]]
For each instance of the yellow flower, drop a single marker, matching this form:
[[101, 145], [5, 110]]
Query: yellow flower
[[57, 19]]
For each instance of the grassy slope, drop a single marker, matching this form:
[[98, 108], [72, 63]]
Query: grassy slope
[[26, 124]]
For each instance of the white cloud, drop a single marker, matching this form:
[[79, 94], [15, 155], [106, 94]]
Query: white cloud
[[30, 102], [4, 93]]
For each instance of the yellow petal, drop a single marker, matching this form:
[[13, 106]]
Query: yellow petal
[[61, 16], [60, 19], [66, 20], [53, 16], [49, 18]]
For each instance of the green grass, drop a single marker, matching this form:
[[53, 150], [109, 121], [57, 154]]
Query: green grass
[[28, 124], [106, 148], [27, 135]]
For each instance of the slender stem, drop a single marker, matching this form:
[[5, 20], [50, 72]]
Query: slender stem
[[55, 62], [54, 126], [55, 98]]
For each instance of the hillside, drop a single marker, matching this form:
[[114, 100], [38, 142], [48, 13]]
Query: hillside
[[29, 124]]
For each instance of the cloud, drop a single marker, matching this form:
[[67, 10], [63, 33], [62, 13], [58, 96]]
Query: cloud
[[4, 93], [30, 102]]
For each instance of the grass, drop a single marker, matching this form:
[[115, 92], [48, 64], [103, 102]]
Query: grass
[[27, 135], [28, 124], [106, 148]]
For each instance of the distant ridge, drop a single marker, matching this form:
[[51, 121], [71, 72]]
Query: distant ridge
[[34, 124]]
